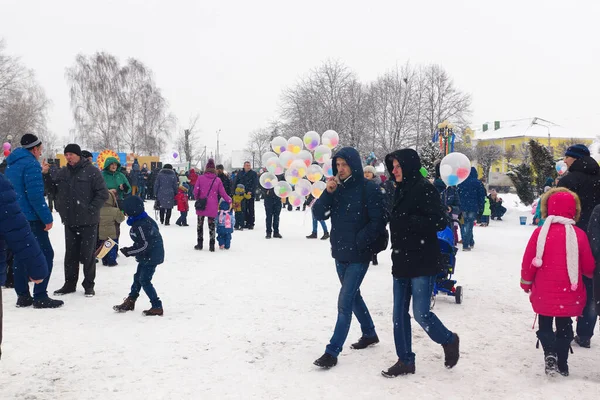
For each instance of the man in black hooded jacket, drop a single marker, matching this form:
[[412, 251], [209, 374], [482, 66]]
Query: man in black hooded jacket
[[417, 216], [584, 179]]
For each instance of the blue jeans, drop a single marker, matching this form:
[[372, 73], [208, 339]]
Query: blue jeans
[[111, 257], [40, 290], [420, 289], [467, 228], [182, 218], [315, 226], [224, 239], [587, 321], [143, 280], [349, 300]]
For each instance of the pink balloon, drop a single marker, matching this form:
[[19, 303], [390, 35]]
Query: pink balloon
[[6, 146]]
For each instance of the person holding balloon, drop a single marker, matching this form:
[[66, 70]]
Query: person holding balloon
[[272, 204], [356, 209]]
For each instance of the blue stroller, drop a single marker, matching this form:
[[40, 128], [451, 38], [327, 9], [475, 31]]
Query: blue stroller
[[444, 282]]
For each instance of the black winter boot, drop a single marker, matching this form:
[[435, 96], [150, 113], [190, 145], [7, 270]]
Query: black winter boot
[[326, 361], [399, 369], [276, 235], [550, 360], [364, 342], [563, 345], [312, 235], [451, 351], [199, 246], [325, 236], [211, 245], [64, 290], [47, 303], [24, 301]]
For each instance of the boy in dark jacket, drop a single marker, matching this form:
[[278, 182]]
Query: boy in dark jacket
[[149, 252]]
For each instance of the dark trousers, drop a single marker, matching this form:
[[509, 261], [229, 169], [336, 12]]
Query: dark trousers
[[224, 240], [587, 321], [239, 219], [143, 280], [10, 276], [273, 211], [1, 318], [557, 343], [165, 215], [212, 227], [40, 290], [182, 220], [80, 243], [249, 212], [51, 204]]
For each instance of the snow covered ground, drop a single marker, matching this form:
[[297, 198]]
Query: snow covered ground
[[248, 323]]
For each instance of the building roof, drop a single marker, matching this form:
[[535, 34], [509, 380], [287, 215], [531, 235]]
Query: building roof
[[528, 127]]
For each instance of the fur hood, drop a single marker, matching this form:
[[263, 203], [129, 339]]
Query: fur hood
[[553, 191]]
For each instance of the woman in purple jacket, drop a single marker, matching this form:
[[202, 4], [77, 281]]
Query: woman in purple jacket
[[209, 187]]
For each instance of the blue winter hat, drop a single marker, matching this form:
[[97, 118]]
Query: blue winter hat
[[577, 151], [133, 206], [223, 205]]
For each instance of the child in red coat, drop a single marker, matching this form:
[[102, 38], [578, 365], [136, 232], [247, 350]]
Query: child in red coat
[[557, 255], [183, 206]]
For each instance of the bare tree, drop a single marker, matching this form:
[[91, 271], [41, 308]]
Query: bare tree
[[23, 103], [259, 142], [187, 142], [510, 155], [487, 156]]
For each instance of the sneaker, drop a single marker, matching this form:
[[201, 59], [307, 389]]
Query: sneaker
[[326, 361], [312, 235], [24, 301], [325, 236], [127, 305], [268, 236], [585, 343], [551, 367], [64, 290], [153, 312], [399, 369], [90, 292], [364, 342], [48, 303], [277, 236], [452, 352]]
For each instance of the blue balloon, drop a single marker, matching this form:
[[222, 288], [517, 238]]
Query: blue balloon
[[452, 180]]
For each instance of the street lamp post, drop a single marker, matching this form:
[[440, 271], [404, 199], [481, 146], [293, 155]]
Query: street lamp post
[[218, 154]]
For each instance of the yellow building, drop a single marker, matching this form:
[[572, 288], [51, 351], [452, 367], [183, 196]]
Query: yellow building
[[513, 136]]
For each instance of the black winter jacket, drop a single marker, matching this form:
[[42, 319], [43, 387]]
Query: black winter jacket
[[584, 179], [356, 210], [593, 232], [248, 179], [148, 247], [81, 193], [417, 216]]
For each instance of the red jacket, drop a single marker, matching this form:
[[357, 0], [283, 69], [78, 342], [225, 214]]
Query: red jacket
[[193, 177], [551, 293], [182, 201]]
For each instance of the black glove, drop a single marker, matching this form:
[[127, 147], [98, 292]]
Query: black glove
[[125, 251]]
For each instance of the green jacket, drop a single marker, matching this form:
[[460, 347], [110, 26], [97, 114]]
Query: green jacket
[[115, 179], [487, 211]]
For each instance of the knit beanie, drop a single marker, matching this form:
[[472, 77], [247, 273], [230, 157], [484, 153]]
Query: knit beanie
[[210, 164], [167, 166], [73, 148], [29, 141], [86, 154], [577, 151], [370, 169]]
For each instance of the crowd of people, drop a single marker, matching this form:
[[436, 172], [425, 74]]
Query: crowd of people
[[366, 212]]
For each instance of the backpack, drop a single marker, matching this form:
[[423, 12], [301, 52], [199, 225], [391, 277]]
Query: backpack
[[383, 238]]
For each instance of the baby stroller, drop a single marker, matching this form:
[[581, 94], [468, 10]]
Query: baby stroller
[[444, 282]]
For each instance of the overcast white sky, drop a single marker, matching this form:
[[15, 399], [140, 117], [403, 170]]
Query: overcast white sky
[[229, 60]]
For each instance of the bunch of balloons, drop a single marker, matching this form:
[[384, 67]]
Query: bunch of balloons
[[6, 147], [294, 158], [455, 168]]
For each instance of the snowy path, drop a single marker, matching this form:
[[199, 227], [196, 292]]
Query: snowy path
[[248, 323]]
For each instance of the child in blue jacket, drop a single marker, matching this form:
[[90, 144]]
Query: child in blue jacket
[[149, 252], [225, 225]]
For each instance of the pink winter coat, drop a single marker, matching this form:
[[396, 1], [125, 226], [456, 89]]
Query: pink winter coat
[[201, 189], [551, 293]]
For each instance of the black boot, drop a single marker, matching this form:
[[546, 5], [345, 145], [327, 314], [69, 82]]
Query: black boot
[[211, 245], [268, 236], [563, 345], [326, 361], [64, 290], [364, 342], [312, 235], [24, 301], [276, 235], [47, 303], [550, 360], [583, 342], [325, 236], [399, 369], [375, 261], [200, 245], [452, 352]]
